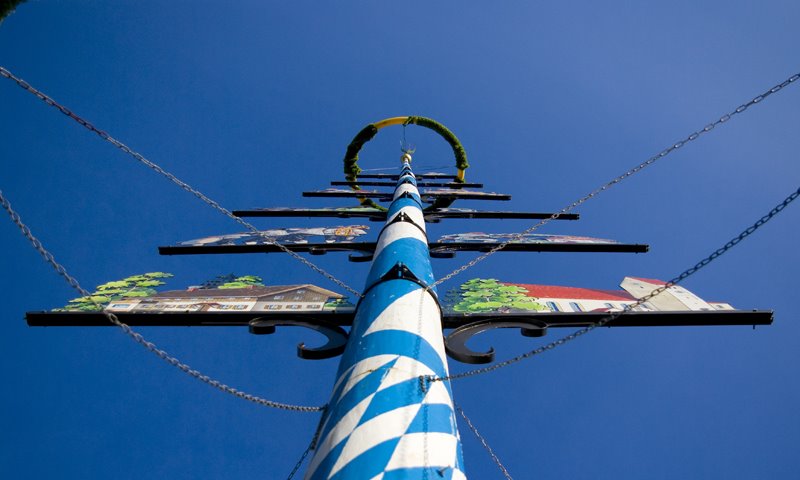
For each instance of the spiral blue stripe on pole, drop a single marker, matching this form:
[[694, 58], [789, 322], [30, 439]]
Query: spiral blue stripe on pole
[[381, 422]]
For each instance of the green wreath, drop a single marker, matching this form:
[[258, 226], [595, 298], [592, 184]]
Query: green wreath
[[351, 168]]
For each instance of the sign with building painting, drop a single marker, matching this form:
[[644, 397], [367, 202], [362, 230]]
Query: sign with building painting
[[248, 293], [463, 194], [328, 235], [229, 293], [266, 299], [493, 296], [236, 300], [531, 238]]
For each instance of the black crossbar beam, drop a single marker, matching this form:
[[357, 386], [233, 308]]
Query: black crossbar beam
[[435, 247], [420, 176], [705, 318], [421, 183], [501, 215], [309, 213], [551, 319], [387, 196], [379, 215]]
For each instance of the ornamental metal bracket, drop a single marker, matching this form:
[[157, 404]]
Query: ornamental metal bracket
[[403, 217], [337, 336], [455, 343], [360, 258], [442, 253], [401, 272], [409, 196]]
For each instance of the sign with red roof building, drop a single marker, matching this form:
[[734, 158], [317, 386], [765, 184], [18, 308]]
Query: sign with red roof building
[[488, 295]]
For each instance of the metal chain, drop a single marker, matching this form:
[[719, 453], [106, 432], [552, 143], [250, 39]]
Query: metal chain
[[185, 186], [676, 280], [484, 443], [137, 337], [299, 463], [632, 171], [424, 391]]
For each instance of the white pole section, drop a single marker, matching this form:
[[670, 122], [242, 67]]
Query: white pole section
[[382, 423]]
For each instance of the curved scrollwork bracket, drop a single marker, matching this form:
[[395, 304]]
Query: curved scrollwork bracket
[[361, 258], [337, 336], [456, 342]]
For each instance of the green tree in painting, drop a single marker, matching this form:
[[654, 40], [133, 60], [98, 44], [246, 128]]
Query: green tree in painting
[[488, 295], [134, 286], [218, 280], [338, 303], [451, 299], [243, 282]]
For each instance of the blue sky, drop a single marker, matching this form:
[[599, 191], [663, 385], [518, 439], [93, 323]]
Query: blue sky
[[256, 102]]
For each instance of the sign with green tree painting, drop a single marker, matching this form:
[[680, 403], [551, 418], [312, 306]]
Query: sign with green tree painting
[[130, 287], [339, 304], [481, 295], [243, 282], [142, 288], [232, 280]]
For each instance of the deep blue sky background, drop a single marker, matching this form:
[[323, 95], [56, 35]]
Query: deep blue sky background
[[256, 101]]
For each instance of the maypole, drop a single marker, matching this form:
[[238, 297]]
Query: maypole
[[382, 421], [391, 413]]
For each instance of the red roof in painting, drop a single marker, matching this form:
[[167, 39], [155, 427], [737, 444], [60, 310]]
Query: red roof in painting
[[650, 280], [552, 291]]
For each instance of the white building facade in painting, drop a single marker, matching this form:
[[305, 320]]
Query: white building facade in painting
[[572, 299], [280, 298]]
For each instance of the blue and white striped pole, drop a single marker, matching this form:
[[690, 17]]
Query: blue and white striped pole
[[382, 423]]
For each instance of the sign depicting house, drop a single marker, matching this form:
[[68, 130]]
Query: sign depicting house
[[480, 237], [474, 296], [339, 234], [673, 298], [487, 295], [252, 298]]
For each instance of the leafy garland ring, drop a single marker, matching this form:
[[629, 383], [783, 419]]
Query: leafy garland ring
[[351, 168]]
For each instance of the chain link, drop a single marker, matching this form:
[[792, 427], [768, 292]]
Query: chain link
[[299, 463], [137, 337], [484, 443], [676, 280], [632, 171], [185, 186], [693, 136]]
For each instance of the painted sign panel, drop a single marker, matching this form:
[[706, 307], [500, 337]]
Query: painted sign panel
[[675, 297], [237, 300], [248, 293], [492, 296], [531, 238], [266, 299], [228, 293], [465, 194], [341, 234], [346, 192], [336, 239]]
